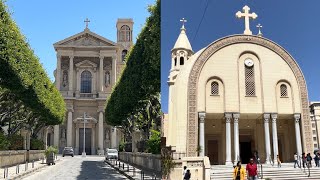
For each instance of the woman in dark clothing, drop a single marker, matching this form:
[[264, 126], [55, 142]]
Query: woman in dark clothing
[[187, 176]]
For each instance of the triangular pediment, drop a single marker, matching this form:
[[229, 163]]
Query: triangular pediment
[[86, 63], [85, 38]]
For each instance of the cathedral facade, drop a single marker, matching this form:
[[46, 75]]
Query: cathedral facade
[[240, 95], [88, 66]]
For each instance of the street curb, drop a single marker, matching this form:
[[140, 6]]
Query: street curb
[[20, 176], [121, 172]]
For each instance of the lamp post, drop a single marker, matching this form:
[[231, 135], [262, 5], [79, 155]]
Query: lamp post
[[84, 135]]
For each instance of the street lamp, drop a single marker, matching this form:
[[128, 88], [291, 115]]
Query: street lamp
[[84, 135]]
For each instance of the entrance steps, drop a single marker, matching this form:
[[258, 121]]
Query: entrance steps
[[286, 171]]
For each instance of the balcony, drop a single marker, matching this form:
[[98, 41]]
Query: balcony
[[87, 95]]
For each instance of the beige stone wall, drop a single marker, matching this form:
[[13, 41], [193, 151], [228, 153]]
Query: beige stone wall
[[11, 158], [151, 162]]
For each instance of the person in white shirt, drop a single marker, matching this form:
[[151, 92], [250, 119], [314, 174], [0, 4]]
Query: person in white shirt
[[295, 160], [184, 171]]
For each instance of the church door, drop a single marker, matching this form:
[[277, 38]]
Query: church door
[[213, 151], [245, 152], [87, 141]]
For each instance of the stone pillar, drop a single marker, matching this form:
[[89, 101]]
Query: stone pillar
[[78, 83], [77, 140], [114, 70], [298, 135], [202, 116], [236, 137], [275, 137], [267, 137], [71, 76], [228, 139], [28, 138], [58, 72], [100, 136], [56, 136], [69, 129], [45, 137], [23, 133], [114, 138], [101, 76]]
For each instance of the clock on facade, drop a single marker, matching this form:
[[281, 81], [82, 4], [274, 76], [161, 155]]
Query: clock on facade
[[248, 62]]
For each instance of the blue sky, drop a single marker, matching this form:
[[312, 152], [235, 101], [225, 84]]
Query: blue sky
[[294, 25], [46, 22]]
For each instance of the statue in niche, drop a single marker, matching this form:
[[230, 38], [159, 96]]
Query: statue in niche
[[65, 78], [107, 134], [63, 133], [107, 78]]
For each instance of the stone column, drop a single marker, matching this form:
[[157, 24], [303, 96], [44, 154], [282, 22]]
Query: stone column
[[114, 70], [101, 74], [23, 133], [100, 136], [56, 136], [28, 138], [69, 129], [71, 76], [267, 137], [275, 137], [202, 116], [228, 139], [298, 135], [77, 140], [236, 137], [114, 137], [58, 72], [45, 137]]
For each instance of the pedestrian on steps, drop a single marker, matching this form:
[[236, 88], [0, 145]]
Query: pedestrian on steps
[[295, 160], [252, 170], [239, 173], [187, 176], [309, 159], [184, 171], [279, 161], [316, 159]]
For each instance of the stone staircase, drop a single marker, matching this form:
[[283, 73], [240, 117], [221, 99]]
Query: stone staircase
[[287, 171]]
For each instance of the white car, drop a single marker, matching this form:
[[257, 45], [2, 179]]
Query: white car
[[111, 154]]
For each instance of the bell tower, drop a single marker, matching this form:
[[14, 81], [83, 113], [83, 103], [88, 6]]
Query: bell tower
[[124, 36]]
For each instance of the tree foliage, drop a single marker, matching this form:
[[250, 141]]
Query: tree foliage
[[31, 93], [135, 100], [154, 142]]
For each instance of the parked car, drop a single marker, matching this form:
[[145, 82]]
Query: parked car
[[67, 151], [111, 154]]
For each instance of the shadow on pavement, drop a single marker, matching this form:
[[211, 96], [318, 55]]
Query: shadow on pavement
[[98, 170]]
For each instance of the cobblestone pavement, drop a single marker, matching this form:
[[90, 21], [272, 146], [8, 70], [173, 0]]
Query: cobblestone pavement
[[90, 167]]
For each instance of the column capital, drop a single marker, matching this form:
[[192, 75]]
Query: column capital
[[297, 117], [202, 114], [228, 117], [274, 115], [71, 57], [236, 115], [100, 109], [101, 57]]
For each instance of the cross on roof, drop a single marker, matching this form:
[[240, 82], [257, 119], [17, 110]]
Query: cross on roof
[[259, 26], [183, 21], [87, 22], [246, 15]]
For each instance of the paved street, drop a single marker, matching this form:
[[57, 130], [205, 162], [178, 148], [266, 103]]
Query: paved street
[[91, 167]]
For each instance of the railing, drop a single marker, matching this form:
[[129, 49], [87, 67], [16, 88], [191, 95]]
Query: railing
[[86, 95]]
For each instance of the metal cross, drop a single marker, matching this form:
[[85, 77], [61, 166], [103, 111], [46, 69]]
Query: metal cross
[[87, 21], [246, 15], [183, 21], [259, 26]]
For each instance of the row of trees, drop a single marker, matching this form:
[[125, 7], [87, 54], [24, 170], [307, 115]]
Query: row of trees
[[135, 100], [28, 99]]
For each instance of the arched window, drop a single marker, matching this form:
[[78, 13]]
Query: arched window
[[86, 82], [181, 61], [214, 88], [123, 55], [283, 91], [125, 33], [249, 81], [175, 61]]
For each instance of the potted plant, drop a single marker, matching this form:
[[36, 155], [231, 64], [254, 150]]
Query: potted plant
[[50, 153]]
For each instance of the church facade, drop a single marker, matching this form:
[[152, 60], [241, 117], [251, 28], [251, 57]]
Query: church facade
[[239, 95], [88, 66]]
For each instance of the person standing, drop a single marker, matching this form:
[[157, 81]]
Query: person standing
[[295, 160], [278, 160], [309, 159], [252, 170], [239, 173], [184, 171], [316, 159], [187, 176], [304, 160]]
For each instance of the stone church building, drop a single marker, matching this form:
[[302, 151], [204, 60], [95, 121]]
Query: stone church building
[[241, 94], [88, 66]]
